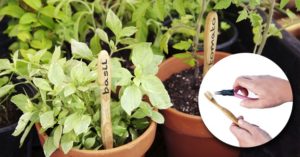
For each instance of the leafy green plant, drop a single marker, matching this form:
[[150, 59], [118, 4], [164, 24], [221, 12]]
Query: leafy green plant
[[67, 101], [184, 27], [262, 29], [40, 25]]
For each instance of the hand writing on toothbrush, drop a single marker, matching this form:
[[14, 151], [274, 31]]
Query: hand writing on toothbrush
[[270, 91]]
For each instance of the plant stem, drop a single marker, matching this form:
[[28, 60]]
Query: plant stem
[[266, 29], [196, 38]]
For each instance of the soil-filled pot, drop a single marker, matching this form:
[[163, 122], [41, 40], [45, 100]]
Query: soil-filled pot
[[136, 148], [185, 134]]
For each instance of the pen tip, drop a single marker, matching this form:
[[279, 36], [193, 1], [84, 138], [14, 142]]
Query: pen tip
[[218, 93]]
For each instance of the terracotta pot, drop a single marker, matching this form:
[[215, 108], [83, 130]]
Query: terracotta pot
[[136, 148], [186, 135]]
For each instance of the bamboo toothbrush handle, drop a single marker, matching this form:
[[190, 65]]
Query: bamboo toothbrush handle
[[210, 40], [229, 114], [104, 78]]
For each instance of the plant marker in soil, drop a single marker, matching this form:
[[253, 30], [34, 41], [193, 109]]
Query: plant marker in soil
[[104, 78], [230, 115], [210, 40]]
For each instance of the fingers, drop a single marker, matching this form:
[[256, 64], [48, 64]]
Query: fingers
[[244, 83], [246, 126], [249, 103], [238, 132]]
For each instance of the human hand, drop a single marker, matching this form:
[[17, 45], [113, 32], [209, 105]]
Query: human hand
[[249, 135], [271, 91]]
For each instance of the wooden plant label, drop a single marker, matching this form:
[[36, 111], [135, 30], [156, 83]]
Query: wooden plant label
[[104, 78], [210, 40]]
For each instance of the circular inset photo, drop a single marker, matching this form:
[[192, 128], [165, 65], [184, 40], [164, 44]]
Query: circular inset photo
[[245, 100]]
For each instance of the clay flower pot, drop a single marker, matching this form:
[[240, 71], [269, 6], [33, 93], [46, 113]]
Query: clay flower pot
[[185, 134], [136, 148]]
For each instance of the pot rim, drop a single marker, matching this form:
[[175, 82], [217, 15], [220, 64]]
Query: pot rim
[[131, 144]]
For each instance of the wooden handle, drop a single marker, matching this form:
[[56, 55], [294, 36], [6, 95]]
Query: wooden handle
[[229, 114], [104, 78], [210, 40]]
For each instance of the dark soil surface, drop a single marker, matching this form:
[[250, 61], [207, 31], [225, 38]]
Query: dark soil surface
[[9, 114], [183, 89]]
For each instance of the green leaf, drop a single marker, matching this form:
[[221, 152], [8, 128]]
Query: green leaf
[[23, 103], [57, 135], [49, 146], [255, 19], [157, 117], [34, 4], [12, 10], [26, 132], [22, 123], [114, 23], [71, 122], [274, 31], [83, 124], [81, 50], [152, 84], [42, 84], [133, 133], [66, 142], [139, 114], [182, 45], [102, 34], [225, 26], [28, 18], [156, 91], [80, 73], [95, 44], [89, 142], [3, 80], [56, 54], [257, 32], [243, 14], [131, 99], [222, 4], [254, 3], [47, 119], [179, 6], [290, 14], [5, 64], [142, 54], [140, 12], [164, 42], [46, 21], [128, 31], [185, 55], [142, 30], [69, 90], [24, 36], [283, 3], [5, 90], [143, 111], [297, 2], [56, 74], [159, 10], [141, 123]]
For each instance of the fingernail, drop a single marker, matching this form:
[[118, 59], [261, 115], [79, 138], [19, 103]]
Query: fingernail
[[240, 121]]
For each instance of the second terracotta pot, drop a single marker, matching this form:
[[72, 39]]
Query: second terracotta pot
[[186, 135], [136, 148]]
